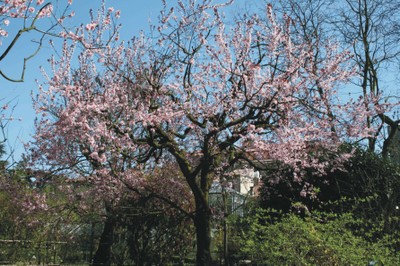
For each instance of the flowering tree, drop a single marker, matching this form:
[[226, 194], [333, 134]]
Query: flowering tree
[[204, 90], [28, 12]]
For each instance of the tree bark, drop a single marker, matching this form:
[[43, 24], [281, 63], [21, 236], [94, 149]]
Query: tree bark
[[202, 222], [103, 253]]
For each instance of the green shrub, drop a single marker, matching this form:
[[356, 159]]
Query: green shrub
[[309, 241]]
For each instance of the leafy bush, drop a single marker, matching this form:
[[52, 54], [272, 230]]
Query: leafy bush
[[309, 241], [368, 187]]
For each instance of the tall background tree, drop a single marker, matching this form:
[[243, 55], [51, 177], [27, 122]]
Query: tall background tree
[[200, 92], [371, 29]]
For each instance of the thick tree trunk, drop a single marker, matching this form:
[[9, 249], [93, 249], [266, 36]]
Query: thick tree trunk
[[103, 253], [202, 223]]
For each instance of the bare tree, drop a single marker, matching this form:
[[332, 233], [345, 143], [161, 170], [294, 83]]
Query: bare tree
[[371, 28]]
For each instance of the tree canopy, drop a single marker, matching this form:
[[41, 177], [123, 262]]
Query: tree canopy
[[205, 91]]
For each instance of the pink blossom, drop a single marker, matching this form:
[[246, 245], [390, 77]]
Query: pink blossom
[[3, 33], [46, 12], [91, 26], [118, 13]]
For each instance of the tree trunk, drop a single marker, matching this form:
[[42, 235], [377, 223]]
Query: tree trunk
[[103, 253], [202, 223], [225, 226]]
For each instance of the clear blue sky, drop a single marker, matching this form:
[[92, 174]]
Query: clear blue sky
[[135, 16]]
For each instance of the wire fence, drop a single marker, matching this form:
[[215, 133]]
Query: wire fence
[[25, 252]]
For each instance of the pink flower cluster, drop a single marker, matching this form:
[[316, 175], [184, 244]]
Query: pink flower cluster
[[202, 92], [25, 9]]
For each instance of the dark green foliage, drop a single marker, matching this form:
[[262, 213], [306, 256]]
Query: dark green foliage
[[150, 233], [368, 187], [313, 240], [348, 216]]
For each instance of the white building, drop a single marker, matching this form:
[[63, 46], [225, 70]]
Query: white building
[[246, 181], [231, 196]]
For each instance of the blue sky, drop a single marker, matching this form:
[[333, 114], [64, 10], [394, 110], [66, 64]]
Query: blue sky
[[135, 16]]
